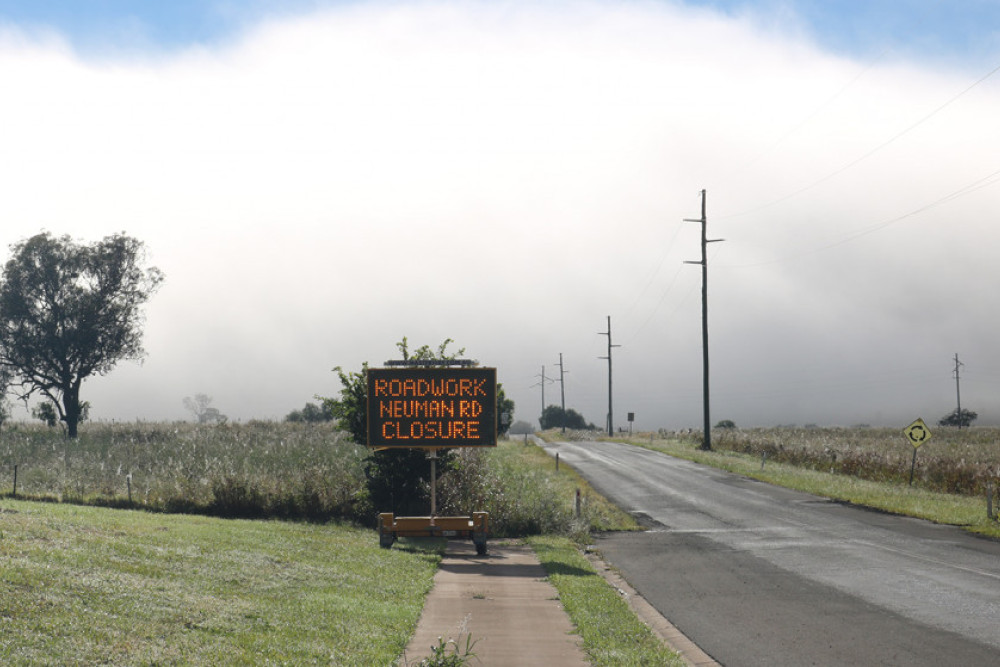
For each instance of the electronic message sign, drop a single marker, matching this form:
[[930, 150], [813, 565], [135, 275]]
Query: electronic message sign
[[432, 407]]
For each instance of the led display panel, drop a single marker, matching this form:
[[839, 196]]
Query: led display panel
[[432, 407]]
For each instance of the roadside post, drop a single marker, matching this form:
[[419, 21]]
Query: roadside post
[[432, 405], [917, 433]]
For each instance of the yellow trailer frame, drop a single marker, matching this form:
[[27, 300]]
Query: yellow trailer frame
[[475, 527]]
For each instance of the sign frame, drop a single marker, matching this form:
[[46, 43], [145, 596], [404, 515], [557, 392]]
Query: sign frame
[[431, 406], [917, 433]]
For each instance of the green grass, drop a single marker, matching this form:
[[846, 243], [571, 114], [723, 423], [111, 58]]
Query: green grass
[[611, 632], [543, 496], [88, 585], [84, 586], [966, 511], [258, 469]]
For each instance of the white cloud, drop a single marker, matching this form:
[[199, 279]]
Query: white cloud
[[508, 175]]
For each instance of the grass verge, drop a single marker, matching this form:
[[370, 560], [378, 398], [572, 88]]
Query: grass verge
[[611, 632], [968, 512], [530, 472], [85, 585]]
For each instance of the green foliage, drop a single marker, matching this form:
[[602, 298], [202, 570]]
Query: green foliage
[[69, 311], [350, 408], [961, 418], [310, 414], [505, 412], [450, 653], [201, 407], [45, 413], [524, 494], [726, 423], [553, 417], [521, 428], [397, 480]]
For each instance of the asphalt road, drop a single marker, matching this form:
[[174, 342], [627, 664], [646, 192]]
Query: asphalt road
[[759, 575]]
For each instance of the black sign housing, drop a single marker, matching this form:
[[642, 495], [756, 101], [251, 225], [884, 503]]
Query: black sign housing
[[432, 407]]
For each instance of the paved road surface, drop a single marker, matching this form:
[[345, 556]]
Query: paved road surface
[[758, 575]]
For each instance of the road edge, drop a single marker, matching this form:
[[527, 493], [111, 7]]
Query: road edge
[[690, 652]]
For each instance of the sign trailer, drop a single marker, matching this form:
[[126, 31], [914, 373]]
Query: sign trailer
[[432, 405]]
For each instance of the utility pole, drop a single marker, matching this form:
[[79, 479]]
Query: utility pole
[[958, 390], [562, 392], [541, 383], [611, 420], [706, 443]]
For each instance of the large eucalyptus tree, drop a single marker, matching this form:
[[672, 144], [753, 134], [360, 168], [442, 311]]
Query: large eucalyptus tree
[[69, 311]]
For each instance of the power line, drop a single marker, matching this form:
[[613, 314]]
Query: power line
[[541, 383], [867, 155], [815, 113], [985, 182]]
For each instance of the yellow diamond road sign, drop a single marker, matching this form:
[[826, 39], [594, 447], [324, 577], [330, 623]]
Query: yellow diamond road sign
[[917, 433]]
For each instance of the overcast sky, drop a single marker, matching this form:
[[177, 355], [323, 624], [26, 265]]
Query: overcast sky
[[319, 179]]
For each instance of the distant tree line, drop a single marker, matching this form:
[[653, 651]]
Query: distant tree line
[[311, 413], [554, 417]]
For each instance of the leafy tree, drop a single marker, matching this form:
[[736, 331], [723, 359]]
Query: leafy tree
[[45, 412], [201, 407], [552, 417], [521, 428], [310, 413], [69, 311], [726, 423], [958, 418], [5, 381], [396, 479], [505, 411]]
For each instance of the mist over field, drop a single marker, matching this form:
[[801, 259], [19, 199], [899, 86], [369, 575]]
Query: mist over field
[[318, 182]]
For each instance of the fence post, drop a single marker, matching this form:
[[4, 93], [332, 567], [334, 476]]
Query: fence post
[[578, 503], [989, 501], [557, 461], [128, 481], [14, 494]]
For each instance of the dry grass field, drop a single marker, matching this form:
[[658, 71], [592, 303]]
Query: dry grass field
[[960, 461]]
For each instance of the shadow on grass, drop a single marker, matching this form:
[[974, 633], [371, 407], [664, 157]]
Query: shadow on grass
[[567, 570], [422, 545]]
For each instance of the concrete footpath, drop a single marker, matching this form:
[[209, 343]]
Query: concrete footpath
[[513, 614], [504, 602]]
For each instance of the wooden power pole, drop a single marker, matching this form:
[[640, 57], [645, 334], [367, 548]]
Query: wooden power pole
[[562, 392], [611, 419], [706, 443]]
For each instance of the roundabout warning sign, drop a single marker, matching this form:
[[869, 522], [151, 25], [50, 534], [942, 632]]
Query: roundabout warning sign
[[917, 433]]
